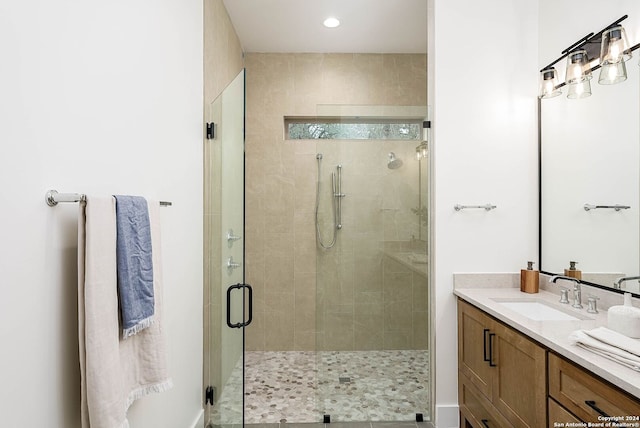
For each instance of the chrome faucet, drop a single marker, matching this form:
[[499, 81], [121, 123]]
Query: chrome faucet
[[577, 290], [618, 282]]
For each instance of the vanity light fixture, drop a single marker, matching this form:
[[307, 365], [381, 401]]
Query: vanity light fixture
[[331, 22], [608, 48]]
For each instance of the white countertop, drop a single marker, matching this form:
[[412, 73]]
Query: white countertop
[[554, 334]]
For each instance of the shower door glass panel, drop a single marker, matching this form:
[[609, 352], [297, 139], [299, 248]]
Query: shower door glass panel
[[225, 200], [372, 305]]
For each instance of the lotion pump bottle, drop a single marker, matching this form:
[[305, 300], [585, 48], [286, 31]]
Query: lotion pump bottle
[[625, 319], [529, 279], [572, 272]]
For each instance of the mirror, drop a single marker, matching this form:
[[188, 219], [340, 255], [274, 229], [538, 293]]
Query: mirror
[[589, 165]]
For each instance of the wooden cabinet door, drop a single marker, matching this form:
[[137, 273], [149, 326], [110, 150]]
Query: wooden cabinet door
[[519, 380], [476, 409], [473, 346], [559, 416]]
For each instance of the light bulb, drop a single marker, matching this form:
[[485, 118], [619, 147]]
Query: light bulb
[[331, 22]]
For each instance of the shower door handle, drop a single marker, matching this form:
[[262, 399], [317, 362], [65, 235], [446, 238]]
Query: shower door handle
[[229, 291]]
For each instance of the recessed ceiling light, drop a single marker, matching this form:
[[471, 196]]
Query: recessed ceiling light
[[331, 22]]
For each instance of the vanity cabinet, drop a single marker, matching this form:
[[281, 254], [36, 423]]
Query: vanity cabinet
[[586, 396], [505, 379], [502, 373]]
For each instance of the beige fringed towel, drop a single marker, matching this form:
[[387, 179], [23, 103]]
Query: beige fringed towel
[[114, 372]]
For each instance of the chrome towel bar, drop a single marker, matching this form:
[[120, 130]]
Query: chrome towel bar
[[617, 207], [486, 207], [52, 198]]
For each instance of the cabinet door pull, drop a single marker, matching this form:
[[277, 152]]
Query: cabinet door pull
[[592, 404], [484, 344], [485, 422], [491, 336]]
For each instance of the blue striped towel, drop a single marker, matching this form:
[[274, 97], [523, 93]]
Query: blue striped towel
[[134, 263]]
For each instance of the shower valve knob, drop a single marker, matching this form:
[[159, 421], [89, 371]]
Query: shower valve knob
[[231, 265], [231, 238]]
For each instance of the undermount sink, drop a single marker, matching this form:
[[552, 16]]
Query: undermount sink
[[539, 310]]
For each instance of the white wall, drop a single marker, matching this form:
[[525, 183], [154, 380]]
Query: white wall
[[483, 74], [95, 97]]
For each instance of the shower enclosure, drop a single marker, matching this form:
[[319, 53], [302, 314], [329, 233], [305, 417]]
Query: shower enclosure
[[334, 233]]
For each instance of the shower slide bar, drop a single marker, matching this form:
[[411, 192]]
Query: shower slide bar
[[487, 207], [338, 195], [616, 207], [336, 203], [52, 198]]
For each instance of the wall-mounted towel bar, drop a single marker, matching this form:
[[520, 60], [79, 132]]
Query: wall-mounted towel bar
[[486, 207], [52, 197], [589, 207]]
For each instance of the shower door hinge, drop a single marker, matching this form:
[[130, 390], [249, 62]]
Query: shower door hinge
[[211, 127], [209, 395]]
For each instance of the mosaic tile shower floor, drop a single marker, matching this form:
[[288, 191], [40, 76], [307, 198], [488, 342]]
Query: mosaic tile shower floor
[[301, 387]]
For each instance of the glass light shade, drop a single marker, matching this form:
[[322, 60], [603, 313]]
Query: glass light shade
[[611, 74], [579, 90], [578, 69], [418, 153], [614, 47], [549, 83]]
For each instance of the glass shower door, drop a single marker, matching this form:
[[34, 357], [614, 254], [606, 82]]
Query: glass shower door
[[372, 303], [225, 313]]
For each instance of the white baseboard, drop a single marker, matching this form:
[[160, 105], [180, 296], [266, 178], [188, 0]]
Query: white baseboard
[[199, 421], [447, 416]]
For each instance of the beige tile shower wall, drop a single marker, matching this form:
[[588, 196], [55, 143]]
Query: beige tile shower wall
[[222, 63], [222, 50], [280, 197]]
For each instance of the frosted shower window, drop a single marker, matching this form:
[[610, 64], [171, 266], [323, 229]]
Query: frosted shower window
[[352, 129]]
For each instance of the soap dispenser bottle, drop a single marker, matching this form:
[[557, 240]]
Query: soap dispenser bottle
[[529, 279], [625, 319], [572, 272]]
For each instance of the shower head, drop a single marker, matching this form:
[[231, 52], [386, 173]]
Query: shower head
[[394, 162]]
